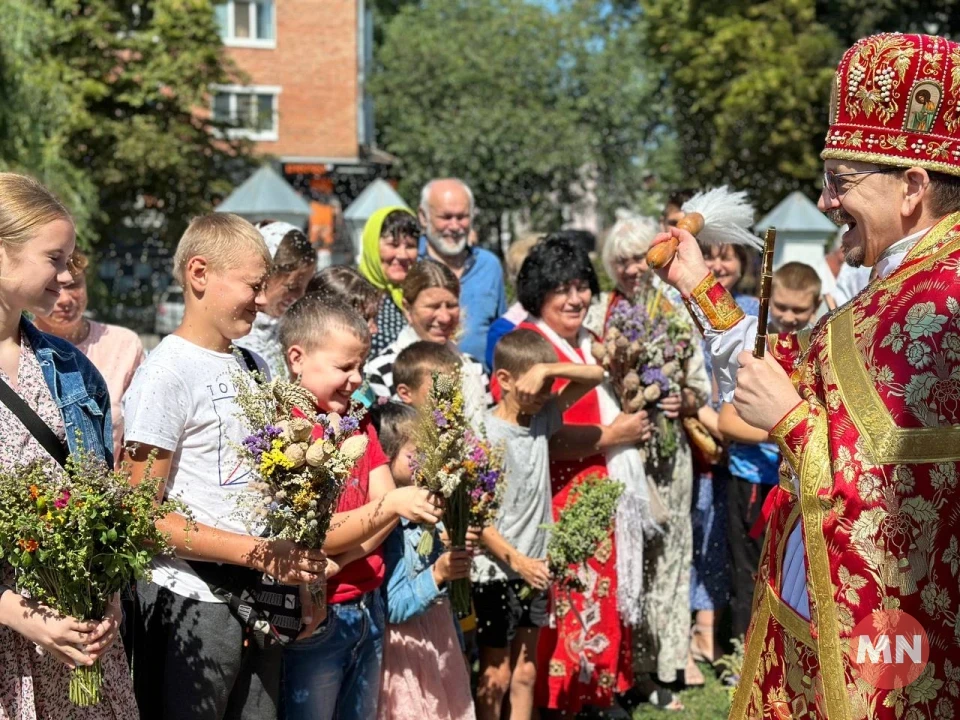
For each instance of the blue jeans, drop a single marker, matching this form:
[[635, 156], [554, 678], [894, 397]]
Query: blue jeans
[[336, 672]]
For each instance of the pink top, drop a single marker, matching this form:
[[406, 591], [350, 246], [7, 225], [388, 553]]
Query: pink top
[[117, 353]]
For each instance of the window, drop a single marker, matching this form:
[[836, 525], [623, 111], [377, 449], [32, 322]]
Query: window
[[250, 111], [246, 24]]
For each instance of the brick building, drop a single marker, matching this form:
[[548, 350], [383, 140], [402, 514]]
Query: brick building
[[303, 99]]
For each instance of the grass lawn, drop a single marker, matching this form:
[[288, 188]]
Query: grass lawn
[[711, 702]]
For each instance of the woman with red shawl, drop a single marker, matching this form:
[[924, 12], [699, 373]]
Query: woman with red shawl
[[584, 659]]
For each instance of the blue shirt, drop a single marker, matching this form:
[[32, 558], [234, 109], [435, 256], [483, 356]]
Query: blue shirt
[[79, 391], [759, 463], [483, 298]]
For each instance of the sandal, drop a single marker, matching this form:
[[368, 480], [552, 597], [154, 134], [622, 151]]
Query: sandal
[[663, 699]]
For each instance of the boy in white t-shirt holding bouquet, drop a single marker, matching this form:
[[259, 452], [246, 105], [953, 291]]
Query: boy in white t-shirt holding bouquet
[[193, 654]]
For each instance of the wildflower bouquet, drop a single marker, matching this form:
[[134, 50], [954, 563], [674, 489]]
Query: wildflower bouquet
[[645, 349], [459, 465], [76, 539], [585, 521], [302, 460], [484, 466]]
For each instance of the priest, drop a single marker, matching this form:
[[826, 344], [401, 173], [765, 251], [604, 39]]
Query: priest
[[865, 525]]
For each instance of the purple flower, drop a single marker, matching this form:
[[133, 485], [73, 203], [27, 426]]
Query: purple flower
[[348, 424], [440, 419], [655, 376], [488, 480]]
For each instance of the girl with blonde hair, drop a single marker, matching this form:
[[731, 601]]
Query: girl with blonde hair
[[63, 389]]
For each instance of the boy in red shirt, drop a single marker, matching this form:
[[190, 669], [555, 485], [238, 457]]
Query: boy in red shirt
[[335, 671]]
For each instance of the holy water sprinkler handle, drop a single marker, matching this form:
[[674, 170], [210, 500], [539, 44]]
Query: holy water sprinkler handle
[[766, 287], [660, 255]]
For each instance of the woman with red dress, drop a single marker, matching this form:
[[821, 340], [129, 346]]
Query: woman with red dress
[[584, 657]]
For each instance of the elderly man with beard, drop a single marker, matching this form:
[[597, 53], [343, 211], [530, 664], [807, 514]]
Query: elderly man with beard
[[862, 538], [446, 214]]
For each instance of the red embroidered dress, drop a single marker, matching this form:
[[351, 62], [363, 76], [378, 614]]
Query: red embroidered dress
[[586, 657]]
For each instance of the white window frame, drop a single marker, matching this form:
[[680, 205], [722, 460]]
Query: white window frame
[[253, 42], [233, 91]]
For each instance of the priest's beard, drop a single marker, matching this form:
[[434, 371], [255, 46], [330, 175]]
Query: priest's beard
[[852, 256]]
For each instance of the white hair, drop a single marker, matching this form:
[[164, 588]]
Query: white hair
[[428, 188], [631, 235]]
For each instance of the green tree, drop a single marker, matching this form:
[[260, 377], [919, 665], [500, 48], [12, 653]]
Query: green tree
[[532, 106], [139, 72], [34, 126], [104, 102], [749, 85]]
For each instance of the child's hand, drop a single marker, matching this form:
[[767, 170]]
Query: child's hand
[[534, 572], [530, 385], [416, 504], [288, 563], [473, 539], [311, 614], [333, 567], [452, 565]]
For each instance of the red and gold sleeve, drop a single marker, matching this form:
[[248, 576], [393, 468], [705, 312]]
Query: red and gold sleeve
[[795, 428], [788, 348], [711, 305]]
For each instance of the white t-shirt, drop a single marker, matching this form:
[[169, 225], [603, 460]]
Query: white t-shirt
[[182, 399]]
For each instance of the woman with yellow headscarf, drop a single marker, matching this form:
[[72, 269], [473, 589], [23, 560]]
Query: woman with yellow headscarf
[[390, 240]]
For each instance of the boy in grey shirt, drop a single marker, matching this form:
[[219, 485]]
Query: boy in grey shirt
[[525, 366]]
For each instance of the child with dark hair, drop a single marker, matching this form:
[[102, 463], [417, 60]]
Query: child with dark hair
[[414, 367], [335, 670], [424, 677], [528, 415], [293, 262]]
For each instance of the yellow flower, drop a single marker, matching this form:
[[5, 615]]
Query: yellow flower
[[301, 501], [274, 459]]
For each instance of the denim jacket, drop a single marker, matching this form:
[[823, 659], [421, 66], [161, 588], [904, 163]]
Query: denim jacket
[[79, 391], [410, 588]]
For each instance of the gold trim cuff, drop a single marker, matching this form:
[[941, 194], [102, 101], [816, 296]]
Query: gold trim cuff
[[717, 305]]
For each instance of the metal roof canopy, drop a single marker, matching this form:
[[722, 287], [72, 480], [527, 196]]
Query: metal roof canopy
[[802, 231], [265, 195]]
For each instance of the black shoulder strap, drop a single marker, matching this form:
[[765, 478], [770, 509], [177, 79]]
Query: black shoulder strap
[[248, 359], [34, 423]]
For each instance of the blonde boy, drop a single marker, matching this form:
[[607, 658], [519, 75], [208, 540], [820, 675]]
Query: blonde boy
[[795, 297], [194, 656], [508, 626]]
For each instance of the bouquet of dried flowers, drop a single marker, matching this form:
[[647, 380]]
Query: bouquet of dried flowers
[[585, 521], [458, 464], [645, 348], [302, 460], [76, 539], [484, 466]]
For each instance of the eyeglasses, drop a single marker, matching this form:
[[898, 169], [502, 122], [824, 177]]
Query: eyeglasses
[[833, 188]]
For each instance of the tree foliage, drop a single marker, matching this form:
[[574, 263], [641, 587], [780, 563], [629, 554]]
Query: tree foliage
[[532, 106], [749, 83], [110, 91]]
